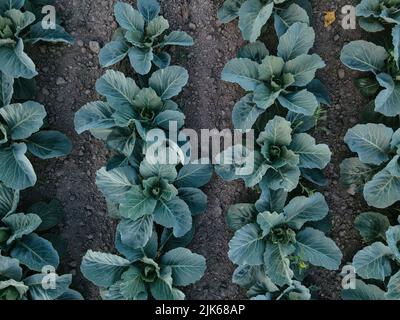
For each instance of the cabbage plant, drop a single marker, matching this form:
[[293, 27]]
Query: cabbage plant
[[155, 258], [285, 80], [21, 25], [260, 287], [280, 157], [24, 255], [383, 65], [150, 272], [18, 27], [20, 134], [375, 15], [296, 291], [281, 241], [143, 35], [129, 111], [255, 14], [376, 170], [378, 263], [156, 192]]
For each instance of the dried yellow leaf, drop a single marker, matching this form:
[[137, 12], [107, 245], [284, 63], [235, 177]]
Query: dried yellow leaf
[[330, 17]]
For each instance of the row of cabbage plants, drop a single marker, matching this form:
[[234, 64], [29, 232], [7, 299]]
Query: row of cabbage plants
[[28, 260], [375, 172], [280, 236], [155, 201]]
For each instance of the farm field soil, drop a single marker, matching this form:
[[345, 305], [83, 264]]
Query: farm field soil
[[67, 80]]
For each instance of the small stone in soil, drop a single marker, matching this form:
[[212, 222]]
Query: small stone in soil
[[60, 81], [94, 46]]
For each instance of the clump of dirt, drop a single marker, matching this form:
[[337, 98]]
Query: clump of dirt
[[67, 80]]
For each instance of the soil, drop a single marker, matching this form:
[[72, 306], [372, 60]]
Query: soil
[[67, 80], [343, 114]]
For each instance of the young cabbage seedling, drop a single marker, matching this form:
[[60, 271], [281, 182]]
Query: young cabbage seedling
[[384, 67], [375, 15], [143, 37], [20, 27], [24, 255], [281, 241], [279, 158], [260, 287], [376, 170], [286, 79], [378, 263], [129, 112], [16, 28], [255, 14], [20, 133], [149, 272], [156, 192]]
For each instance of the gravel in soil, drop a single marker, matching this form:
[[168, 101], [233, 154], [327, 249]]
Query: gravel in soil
[[67, 80]]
